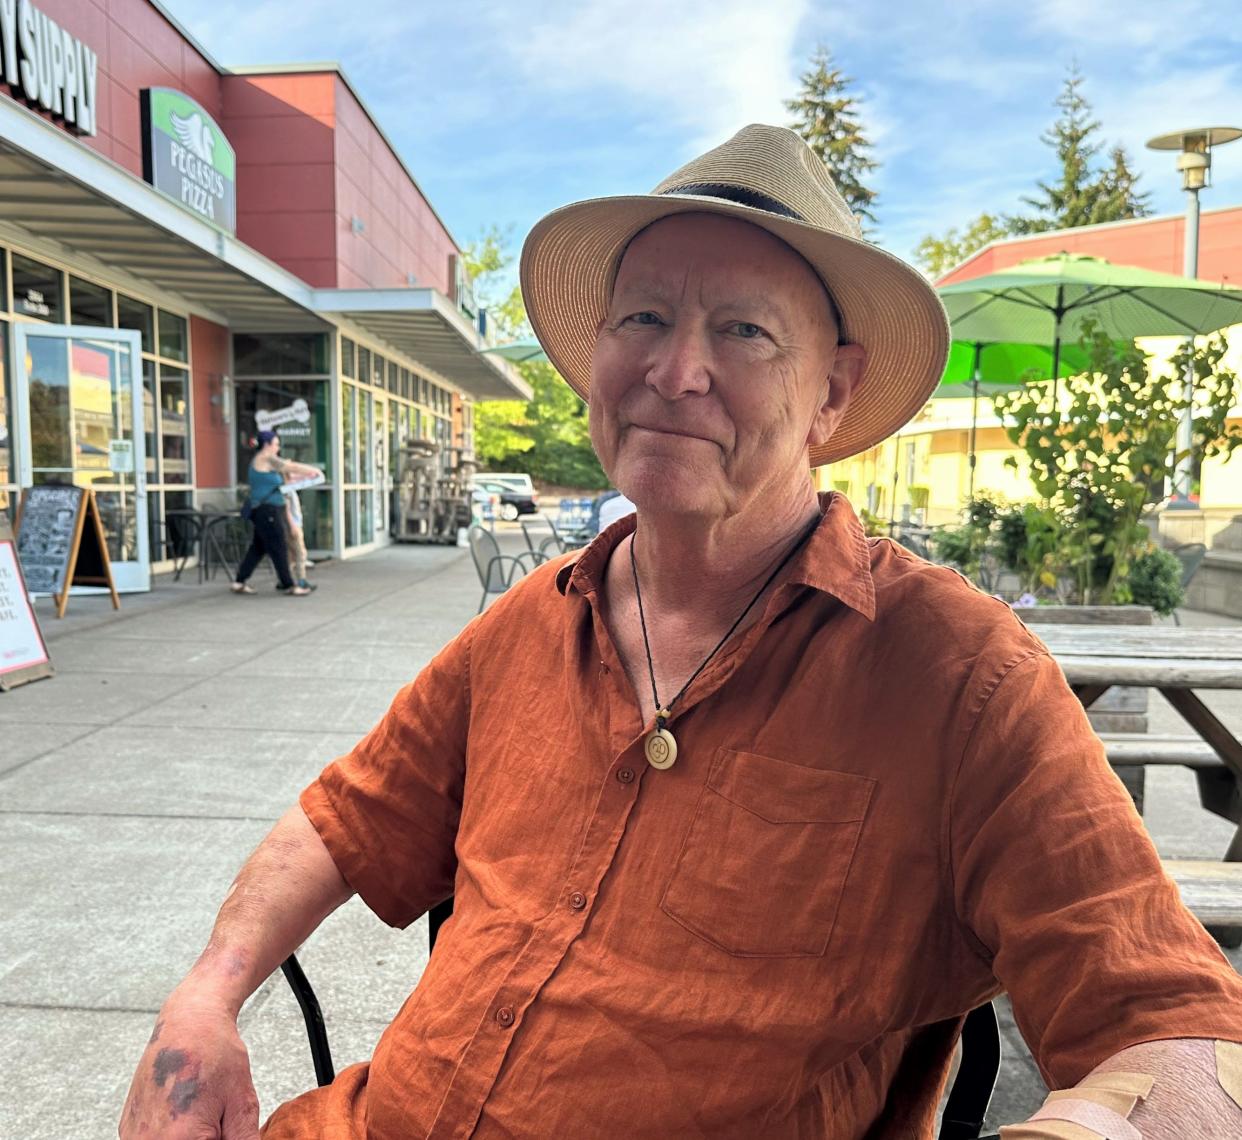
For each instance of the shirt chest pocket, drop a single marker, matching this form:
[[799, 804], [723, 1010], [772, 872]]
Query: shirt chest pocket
[[766, 856]]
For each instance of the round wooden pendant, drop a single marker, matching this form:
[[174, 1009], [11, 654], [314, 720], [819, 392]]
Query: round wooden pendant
[[661, 749]]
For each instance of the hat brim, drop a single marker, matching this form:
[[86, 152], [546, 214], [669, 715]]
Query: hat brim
[[570, 260]]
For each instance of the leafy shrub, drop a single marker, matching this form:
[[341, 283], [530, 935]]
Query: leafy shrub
[[1156, 580]]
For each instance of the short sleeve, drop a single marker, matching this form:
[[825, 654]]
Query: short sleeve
[[388, 811], [1061, 887]]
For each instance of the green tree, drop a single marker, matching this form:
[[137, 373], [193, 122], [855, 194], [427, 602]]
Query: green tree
[[488, 261], [1084, 194], [548, 435], [826, 116], [937, 255], [1099, 457]]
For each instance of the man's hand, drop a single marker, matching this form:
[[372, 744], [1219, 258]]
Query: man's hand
[[193, 1082]]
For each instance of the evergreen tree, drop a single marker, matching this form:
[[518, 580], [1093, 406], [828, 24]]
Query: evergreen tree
[[826, 116], [1084, 194], [1119, 196]]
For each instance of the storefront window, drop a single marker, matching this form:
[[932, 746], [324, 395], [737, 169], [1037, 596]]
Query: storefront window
[[366, 457], [364, 365], [351, 518], [394, 377], [148, 422], [349, 361], [89, 304], [305, 437], [174, 339], [38, 290], [47, 367], [131, 314], [4, 276], [175, 423], [349, 440], [281, 354], [8, 477]]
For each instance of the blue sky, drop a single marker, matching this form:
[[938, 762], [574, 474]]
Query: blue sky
[[505, 110]]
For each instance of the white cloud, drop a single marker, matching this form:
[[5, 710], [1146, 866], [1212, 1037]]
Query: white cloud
[[702, 67]]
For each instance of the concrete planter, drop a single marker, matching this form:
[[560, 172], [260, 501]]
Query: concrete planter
[[1121, 709]]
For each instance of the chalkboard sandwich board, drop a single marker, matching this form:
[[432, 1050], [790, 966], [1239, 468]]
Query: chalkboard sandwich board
[[23, 652], [60, 542]]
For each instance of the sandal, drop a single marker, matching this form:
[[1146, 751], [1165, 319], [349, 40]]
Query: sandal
[[241, 588], [297, 592]]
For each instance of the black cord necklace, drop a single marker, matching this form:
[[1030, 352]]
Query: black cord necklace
[[661, 745]]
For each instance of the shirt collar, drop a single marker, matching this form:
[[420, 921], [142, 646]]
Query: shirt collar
[[836, 559]]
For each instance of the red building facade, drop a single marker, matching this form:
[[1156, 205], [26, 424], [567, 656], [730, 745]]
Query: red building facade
[[268, 254]]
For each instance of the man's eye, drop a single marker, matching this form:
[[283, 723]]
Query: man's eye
[[746, 330], [645, 318]]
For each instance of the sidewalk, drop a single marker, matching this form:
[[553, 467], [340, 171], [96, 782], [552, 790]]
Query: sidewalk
[[134, 784]]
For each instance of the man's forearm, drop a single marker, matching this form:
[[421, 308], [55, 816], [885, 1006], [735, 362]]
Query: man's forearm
[[285, 890], [1185, 1099]]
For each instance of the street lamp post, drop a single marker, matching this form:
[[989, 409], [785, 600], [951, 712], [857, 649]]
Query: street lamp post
[[1195, 163]]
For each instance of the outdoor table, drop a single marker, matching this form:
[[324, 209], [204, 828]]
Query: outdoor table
[[1174, 660]]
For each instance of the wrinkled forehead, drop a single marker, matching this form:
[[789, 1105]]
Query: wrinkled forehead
[[671, 242]]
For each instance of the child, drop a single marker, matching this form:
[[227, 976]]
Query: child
[[298, 561]]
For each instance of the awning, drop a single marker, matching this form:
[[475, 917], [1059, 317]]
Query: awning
[[427, 326], [55, 188]]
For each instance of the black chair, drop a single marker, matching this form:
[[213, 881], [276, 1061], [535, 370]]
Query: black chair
[[497, 572], [963, 1111], [544, 547]]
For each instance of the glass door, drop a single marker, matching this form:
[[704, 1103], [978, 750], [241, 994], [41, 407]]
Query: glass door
[[78, 408]]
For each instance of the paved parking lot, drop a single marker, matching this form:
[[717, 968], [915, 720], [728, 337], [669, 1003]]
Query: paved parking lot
[[134, 783]]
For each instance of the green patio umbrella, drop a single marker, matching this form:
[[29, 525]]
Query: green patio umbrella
[[980, 368], [1046, 299], [519, 351]]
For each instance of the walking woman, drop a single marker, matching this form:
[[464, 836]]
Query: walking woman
[[267, 513]]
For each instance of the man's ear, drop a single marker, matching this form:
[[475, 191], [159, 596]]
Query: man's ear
[[844, 380]]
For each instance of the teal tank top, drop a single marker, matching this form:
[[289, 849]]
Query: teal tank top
[[265, 488]]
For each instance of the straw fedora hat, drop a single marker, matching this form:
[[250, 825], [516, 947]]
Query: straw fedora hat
[[769, 177]]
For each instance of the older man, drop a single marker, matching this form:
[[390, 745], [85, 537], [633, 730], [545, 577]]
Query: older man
[[741, 810]]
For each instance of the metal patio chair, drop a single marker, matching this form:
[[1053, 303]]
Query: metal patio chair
[[497, 572], [544, 547], [964, 1110]]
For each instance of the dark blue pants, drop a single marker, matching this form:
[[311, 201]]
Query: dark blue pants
[[269, 539]]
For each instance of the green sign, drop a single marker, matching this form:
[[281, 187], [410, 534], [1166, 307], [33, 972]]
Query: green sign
[[187, 157]]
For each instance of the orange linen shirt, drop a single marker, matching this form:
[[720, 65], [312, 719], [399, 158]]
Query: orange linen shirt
[[886, 808]]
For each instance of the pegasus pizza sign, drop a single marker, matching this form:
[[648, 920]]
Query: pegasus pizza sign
[[186, 155]]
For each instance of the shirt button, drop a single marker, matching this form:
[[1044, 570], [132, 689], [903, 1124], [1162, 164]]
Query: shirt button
[[577, 900], [504, 1017], [625, 775]]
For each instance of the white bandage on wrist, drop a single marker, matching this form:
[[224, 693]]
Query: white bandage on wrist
[[1229, 1069], [1096, 1109]]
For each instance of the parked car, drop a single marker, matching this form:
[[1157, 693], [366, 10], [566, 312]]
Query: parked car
[[509, 479], [512, 502]]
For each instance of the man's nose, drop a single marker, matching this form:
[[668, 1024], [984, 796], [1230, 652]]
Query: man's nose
[[681, 365]]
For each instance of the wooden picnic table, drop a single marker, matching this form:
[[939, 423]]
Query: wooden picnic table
[[1175, 660]]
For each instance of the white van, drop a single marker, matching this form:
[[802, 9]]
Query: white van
[[520, 483]]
